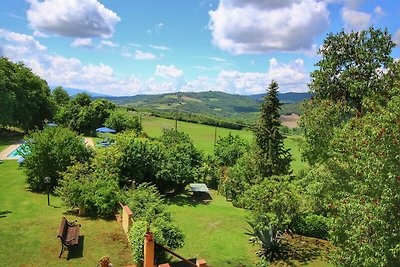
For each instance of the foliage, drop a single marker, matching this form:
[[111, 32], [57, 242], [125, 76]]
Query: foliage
[[321, 114], [209, 172], [274, 201], [240, 177], [179, 164], [312, 225], [273, 158], [24, 97], [52, 151], [229, 149], [269, 239], [353, 66], [60, 96], [146, 203], [84, 185], [140, 159], [355, 179], [83, 115], [121, 120], [149, 211]]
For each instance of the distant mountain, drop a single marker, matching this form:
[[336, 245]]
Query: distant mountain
[[75, 91], [212, 103], [291, 97]]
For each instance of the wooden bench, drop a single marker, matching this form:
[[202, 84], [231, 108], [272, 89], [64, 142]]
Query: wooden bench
[[68, 234]]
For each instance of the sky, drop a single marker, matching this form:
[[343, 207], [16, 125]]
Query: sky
[[130, 47]]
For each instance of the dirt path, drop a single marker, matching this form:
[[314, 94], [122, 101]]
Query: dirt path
[[8, 150]]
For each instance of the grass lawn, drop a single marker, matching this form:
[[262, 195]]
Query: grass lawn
[[28, 228], [203, 137], [214, 232]]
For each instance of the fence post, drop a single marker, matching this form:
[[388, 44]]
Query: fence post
[[126, 218], [149, 247]]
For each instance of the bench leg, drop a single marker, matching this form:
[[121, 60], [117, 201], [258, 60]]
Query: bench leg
[[63, 248]]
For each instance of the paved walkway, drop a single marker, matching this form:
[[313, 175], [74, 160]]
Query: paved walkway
[[8, 150], [89, 142]]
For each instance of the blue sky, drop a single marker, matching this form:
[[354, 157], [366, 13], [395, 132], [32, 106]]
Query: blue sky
[[129, 47]]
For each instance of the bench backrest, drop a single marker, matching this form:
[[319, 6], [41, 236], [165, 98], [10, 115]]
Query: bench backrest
[[62, 231]]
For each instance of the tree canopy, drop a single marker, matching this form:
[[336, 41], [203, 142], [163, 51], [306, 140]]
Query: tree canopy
[[25, 100]]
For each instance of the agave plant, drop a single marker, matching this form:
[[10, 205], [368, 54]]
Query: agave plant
[[269, 239]]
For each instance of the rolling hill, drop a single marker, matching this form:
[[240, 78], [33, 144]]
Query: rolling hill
[[235, 108]]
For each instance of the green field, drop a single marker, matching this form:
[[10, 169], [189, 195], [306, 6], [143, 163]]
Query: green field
[[214, 231], [29, 228], [203, 137]]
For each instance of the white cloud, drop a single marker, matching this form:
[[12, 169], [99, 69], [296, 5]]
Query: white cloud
[[291, 77], [396, 37], [168, 72], [255, 26], [140, 55], [160, 47], [40, 34], [108, 43], [156, 29], [74, 18], [101, 78], [82, 42], [379, 11], [27, 41], [355, 20]]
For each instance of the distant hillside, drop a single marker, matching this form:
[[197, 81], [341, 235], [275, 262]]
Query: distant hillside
[[75, 91], [237, 108], [286, 97]]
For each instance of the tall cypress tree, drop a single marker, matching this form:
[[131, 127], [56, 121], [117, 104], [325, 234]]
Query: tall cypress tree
[[272, 157]]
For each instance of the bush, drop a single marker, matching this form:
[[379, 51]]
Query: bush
[[85, 186], [148, 209], [311, 225], [52, 151], [121, 120]]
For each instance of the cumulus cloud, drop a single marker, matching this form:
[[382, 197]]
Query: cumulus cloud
[[101, 78], [259, 26], [82, 42], [74, 18], [291, 77], [168, 72], [355, 20]]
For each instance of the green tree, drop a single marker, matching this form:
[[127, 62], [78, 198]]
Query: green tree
[[60, 96], [273, 158], [52, 150], [353, 66], [83, 115], [229, 149], [121, 120], [86, 185], [180, 161], [26, 97], [355, 177]]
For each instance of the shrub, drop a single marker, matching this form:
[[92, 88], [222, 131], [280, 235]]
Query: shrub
[[311, 225], [149, 210], [85, 186], [52, 151]]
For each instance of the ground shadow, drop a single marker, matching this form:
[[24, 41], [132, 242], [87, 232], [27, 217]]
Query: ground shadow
[[187, 198], [4, 212], [300, 249], [77, 250], [88, 216], [183, 264]]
